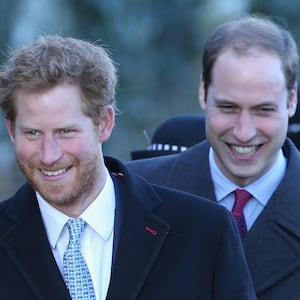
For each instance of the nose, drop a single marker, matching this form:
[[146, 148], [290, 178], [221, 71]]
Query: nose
[[50, 151], [244, 129]]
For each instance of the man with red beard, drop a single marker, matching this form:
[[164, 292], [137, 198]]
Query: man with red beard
[[248, 91], [83, 227]]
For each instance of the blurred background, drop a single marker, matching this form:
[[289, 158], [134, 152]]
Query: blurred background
[[156, 43]]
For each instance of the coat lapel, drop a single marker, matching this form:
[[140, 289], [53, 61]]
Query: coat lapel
[[140, 236], [272, 246], [25, 242]]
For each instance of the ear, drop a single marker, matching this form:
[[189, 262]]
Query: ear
[[106, 124], [201, 96], [292, 101], [10, 129]]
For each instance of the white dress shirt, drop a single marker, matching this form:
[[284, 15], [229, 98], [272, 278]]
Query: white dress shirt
[[97, 237], [261, 189]]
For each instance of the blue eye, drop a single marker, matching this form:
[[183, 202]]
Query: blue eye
[[65, 131], [227, 108], [32, 132]]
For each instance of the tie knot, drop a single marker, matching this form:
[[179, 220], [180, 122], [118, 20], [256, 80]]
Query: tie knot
[[241, 198], [75, 227]]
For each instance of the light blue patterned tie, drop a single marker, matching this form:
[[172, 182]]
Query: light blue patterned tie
[[76, 272]]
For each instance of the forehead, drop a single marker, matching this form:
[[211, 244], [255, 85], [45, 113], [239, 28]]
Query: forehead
[[248, 80], [252, 58], [59, 95], [60, 102], [253, 72]]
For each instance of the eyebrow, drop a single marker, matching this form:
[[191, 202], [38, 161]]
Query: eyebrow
[[226, 101]]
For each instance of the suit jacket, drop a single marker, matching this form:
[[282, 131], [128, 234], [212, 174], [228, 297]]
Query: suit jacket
[[167, 245], [272, 246]]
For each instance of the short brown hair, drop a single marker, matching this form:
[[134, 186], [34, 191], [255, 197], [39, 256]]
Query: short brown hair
[[51, 60], [251, 32]]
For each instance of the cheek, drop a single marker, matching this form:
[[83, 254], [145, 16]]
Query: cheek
[[274, 126], [81, 149], [25, 151], [218, 123]]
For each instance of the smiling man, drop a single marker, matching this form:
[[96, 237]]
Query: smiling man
[[83, 227], [247, 108], [61, 162], [248, 91]]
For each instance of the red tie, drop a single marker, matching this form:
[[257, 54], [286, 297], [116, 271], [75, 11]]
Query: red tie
[[241, 198]]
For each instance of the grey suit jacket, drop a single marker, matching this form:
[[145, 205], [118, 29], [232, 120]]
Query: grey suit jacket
[[272, 246], [163, 248]]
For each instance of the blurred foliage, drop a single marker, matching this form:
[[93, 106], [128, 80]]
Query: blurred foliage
[[157, 46]]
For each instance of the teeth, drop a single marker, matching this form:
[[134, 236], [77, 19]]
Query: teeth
[[53, 173], [244, 150]]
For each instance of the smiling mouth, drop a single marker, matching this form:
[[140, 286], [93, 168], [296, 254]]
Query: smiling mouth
[[244, 151], [54, 173]]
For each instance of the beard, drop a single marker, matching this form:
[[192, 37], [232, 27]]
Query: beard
[[77, 187]]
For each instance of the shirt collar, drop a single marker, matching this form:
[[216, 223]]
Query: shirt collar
[[261, 189], [99, 215]]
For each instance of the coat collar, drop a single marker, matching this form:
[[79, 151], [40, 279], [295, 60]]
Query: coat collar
[[139, 236], [199, 183], [274, 251], [272, 246], [139, 233]]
